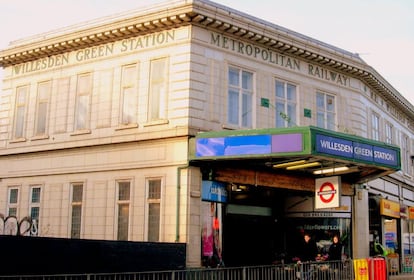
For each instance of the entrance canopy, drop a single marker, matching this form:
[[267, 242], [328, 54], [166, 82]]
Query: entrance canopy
[[305, 151]]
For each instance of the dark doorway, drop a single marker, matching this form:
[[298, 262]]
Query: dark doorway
[[247, 240]]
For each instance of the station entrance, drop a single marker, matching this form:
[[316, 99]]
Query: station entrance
[[264, 225], [260, 190]]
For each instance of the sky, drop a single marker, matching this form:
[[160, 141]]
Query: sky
[[380, 31]]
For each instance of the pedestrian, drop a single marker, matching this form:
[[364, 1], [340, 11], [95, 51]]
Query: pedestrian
[[309, 251], [335, 250]]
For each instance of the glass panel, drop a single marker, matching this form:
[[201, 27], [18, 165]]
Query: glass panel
[[35, 195], [77, 193], [247, 110], [34, 213], [123, 191], [280, 89], [129, 106], [247, 79], [158, 98], [291, 93], [158, 69], [154, 222], [320, 119], [154, 189], [320, 101], [234, 77], [12, 211], [233, 107], [123, 221], [155, 100], [84, 84], [83, 105], [41, 118], [280, 115], [129, 95], [19, 122], [129, 76], [21, 95], [291, 108], [14, 193], [76, 221], [330, 103], [330, 121]]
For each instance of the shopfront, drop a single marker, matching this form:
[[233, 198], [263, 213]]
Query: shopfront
[[278, 184]]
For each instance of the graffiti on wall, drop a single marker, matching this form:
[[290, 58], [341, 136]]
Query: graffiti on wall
[[10, 225]]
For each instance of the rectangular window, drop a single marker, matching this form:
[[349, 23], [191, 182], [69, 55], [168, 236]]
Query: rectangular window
[[240, 97], [389, 137], [129, 91], [154, 209], [76, 220], [375, 127], [124, 189], [285, 104], [21, 107], [325, 111], [61, 106], [406, 164], [83, 95], [158, 90], [35, 204], [42, 108], [13, 201]]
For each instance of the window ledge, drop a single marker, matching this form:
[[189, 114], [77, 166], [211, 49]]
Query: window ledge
[[156, 122], [39, 137], [126, 126], [81, 132], [18, 140], [229, 126]]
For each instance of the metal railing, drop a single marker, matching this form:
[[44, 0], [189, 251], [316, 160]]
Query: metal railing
[[341, 270]]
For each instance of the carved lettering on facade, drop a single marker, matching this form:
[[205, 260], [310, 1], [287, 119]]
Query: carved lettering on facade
[[95, 52], [328, 75], [256, 52]]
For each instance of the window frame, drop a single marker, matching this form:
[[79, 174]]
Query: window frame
[[329, 116], [389, 133], [20, 116], [287, 118], [13, 205], [122, 203], [375, 126], [76, 204], [246, 98], [129, 95], [158, 90], [83, 95], [40, 100], [151, 201], [406, 163]]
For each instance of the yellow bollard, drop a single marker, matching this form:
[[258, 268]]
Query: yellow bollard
[[361, 269]]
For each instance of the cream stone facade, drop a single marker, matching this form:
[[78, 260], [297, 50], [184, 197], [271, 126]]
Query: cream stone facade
[[112, 105]]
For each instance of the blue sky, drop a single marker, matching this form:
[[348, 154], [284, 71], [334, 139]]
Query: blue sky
[[381, 31]]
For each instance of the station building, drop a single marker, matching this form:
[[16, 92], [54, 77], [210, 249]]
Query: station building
[[193, 122]]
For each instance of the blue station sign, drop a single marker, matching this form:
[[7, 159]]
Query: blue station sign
[[356, 150], [294, 142]]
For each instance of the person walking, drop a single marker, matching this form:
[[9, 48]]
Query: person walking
[[335, 250]]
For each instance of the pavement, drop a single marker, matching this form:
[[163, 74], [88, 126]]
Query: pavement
[[401, 277]]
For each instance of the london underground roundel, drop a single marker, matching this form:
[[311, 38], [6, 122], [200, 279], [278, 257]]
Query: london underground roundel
[[327, 194]]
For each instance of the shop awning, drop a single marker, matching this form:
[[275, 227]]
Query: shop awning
[[306, 150]]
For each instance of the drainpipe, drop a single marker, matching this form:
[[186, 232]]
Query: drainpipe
[[177, 217]]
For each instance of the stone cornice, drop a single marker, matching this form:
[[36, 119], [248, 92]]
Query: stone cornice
[[211, 16]]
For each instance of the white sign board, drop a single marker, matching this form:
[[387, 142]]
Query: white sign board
[[327, 192]]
